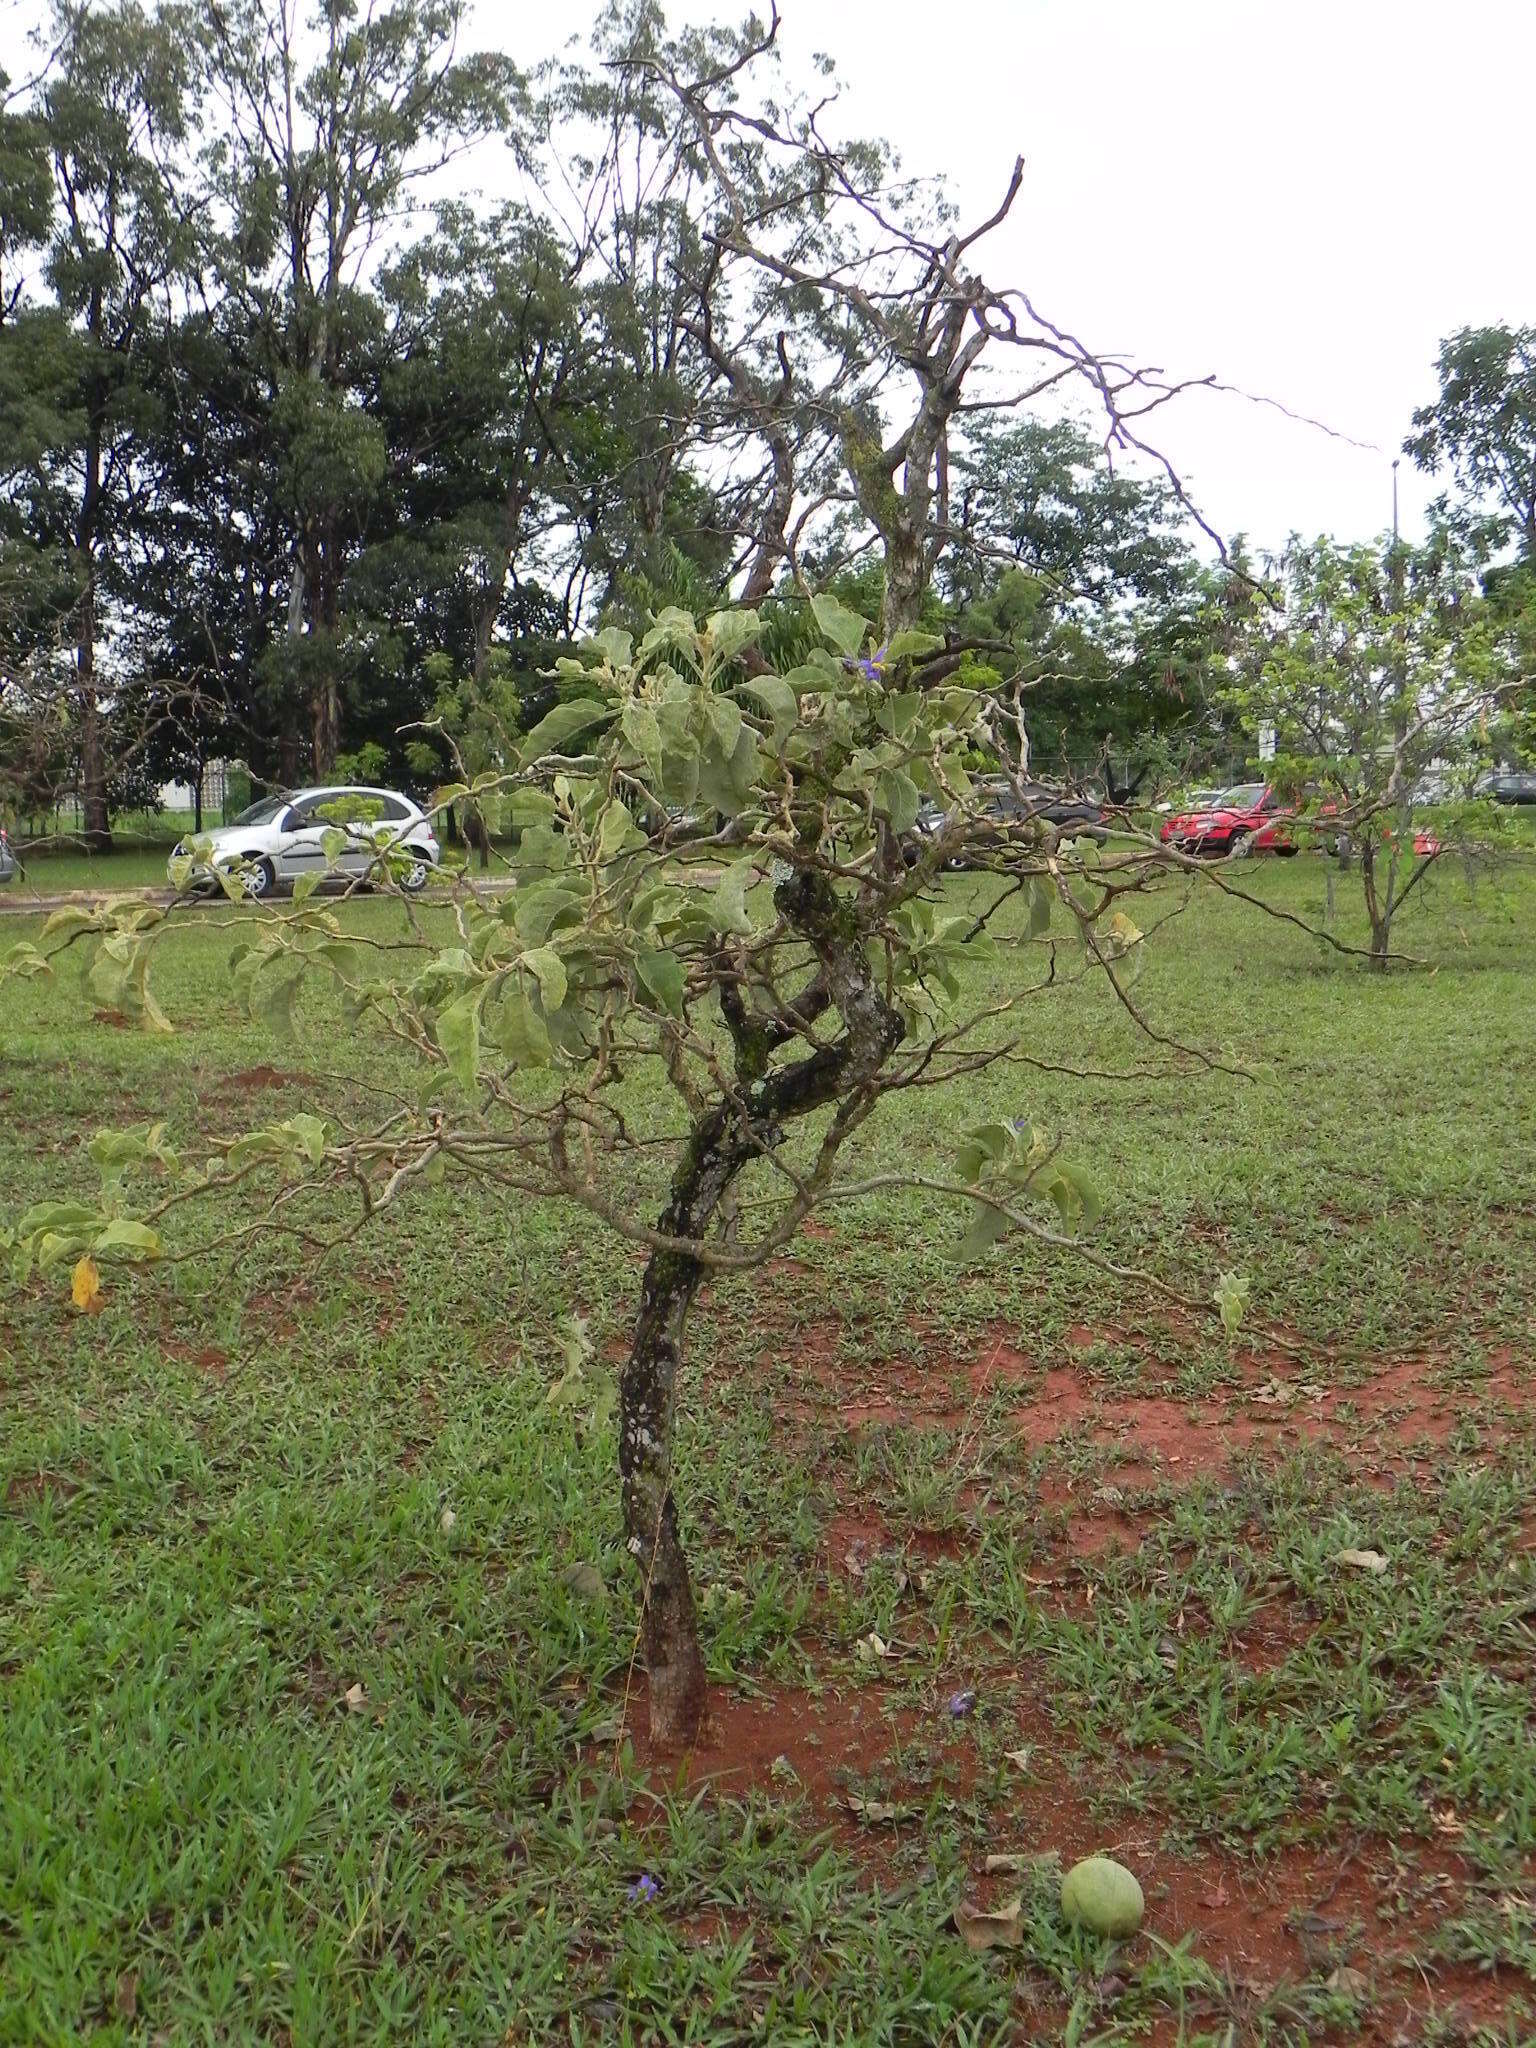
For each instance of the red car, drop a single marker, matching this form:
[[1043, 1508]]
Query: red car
[[1249, 818]]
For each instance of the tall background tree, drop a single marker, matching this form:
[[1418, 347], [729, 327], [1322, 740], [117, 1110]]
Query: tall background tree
[[80, 352]]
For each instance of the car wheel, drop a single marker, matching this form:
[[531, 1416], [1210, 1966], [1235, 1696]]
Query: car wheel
[[415, 878], [1241, 846], [260, 879]]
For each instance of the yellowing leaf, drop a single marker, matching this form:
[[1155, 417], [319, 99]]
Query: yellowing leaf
[[85, 1287]]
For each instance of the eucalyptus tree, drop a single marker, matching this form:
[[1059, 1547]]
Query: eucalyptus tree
[[329, 124], [85, 329]]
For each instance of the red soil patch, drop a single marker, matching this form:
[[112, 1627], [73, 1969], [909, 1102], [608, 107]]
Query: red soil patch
[[26, 1488], [867, 1767], [250, 1080], [851, 1541], [821, 1744], [208, 1358]]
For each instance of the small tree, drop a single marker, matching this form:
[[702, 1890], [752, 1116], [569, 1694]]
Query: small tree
[[1378, 669], [783, 977]]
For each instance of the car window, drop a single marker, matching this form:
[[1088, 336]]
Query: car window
[[264, 813], [1244, 795], [341, 807], [394, 808]]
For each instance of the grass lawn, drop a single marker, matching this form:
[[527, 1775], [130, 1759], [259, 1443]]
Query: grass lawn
[[315, 1628]]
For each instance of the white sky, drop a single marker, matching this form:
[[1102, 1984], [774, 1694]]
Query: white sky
[[1302, 196]]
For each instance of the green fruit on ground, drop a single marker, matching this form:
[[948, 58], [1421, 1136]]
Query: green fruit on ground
[[1102, 1896]]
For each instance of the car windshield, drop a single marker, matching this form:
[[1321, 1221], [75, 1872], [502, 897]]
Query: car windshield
[[264, 812], [1242, 796]]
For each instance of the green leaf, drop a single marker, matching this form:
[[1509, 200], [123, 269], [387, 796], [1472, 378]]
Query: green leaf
[[1039, 907], [662, 975], [545, 964], [1232, 1291], [527, 807], [732, 631], [912, 642], [845, 629], [614, 645], [986, 1226], [274, 1000], [115, 1151], [57, 1216], [458, 1034], [72, 918], [896, 795], [725, 718], [777, 699], [640, 728], [986, 1145], [306, 884], [135, 1240], [728, 906], [560, 724], [310, 1133], [673, 628], [522, 1032], [615, 829]]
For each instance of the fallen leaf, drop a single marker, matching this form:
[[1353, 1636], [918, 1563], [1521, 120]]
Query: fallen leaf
[[1020, 1758], [1213, 1901], [1446, 1823], [1276, 1394], [1347, 1982], [1109, 1496], [446, 1521], [872, 1648], [1002, 1929], [1361, 1560], [1013, 1862], [356, 1698], [126, 1996], [876, 1812], [584, 1581], [85, 1287]]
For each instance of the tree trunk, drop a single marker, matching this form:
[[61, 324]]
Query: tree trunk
[[326, 728], [669, 1633], [745, 1127], [477, 833], [95, 821], [1380, 916]]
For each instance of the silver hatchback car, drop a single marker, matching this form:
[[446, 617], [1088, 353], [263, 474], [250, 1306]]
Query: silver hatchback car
[[283, 837]]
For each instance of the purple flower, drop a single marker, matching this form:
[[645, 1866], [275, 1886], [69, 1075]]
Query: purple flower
[[643, 1890], [961, 1703], [872, 666]]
